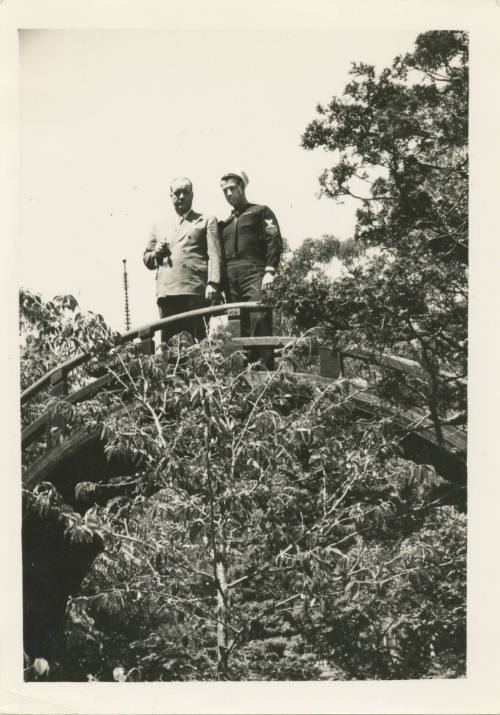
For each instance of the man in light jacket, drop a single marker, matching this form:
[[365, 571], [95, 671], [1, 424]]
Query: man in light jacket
[[186, 254]]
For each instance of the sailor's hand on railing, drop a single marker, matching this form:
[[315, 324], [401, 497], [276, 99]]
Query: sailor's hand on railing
[[267, 279], [212, 293]]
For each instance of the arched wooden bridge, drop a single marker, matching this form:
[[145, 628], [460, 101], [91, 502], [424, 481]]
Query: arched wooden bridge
[[54, 568]]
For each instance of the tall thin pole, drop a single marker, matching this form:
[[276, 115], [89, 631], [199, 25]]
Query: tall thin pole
[[125, 290]]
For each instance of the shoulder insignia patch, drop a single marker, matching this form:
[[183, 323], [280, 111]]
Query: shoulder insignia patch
[[270, 226]]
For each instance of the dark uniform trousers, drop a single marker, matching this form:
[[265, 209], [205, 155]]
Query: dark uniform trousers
[[173, 304], [244, 283], [252, 241]]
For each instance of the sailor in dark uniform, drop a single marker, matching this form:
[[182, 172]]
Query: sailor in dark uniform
[[252, 246]]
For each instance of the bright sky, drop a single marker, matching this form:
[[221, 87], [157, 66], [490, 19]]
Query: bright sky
[[109, 117]]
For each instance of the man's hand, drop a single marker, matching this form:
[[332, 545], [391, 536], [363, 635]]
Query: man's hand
[[267, 280], [162, 249], [211, 292]]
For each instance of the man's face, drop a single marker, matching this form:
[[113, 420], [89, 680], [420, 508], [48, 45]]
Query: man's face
[[181, 194], [234, 191]]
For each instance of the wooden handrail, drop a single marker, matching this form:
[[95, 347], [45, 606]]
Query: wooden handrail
[[410, 367], [394, 362], [44, 381], [210, 310], [130, 335]]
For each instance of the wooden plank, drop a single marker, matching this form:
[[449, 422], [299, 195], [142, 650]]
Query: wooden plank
[[43, 466], [410, 367], [274, 341], [455, 439], [44, 381], [36, 428]]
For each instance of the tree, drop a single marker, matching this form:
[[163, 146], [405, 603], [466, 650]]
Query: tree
[[261, 525], [404, 134], [399, 142], [51, 332]]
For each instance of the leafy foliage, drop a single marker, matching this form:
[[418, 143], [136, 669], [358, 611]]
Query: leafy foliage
[[56, 330], [400, 146], [52, 332], [300, 504]]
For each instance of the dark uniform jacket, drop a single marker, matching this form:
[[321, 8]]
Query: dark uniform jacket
[[195, 255], [252, 235]]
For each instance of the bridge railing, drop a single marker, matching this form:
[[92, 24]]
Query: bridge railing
[[57, 377], [331, 361]]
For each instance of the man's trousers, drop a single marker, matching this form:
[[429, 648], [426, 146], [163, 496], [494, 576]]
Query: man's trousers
[[172, 304], [244, 283]]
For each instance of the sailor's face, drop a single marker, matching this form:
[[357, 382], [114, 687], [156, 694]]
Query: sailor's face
[[234, 191], [181, 194]]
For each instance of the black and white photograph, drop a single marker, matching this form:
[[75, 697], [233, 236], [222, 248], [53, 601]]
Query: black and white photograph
[[241, 256]]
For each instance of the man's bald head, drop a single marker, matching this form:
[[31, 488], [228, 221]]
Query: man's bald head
[[181, 193], [181, 181]]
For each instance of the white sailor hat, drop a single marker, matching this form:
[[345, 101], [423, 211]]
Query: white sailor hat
[[239, 173]]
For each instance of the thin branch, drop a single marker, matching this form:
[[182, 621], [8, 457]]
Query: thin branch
[[348, 192], [252, 411]]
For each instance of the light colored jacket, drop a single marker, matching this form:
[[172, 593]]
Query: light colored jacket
[[195, 255]]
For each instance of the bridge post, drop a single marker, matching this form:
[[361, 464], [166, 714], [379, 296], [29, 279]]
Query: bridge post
[[56, 423], [234, 322], [330, 363], [59, 383], [147, 344], [261, 351]]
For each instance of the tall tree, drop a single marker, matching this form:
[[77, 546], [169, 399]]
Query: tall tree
[[403, 135], [399, 142]]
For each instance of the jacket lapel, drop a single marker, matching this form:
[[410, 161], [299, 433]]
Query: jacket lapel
[[184, 227]]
